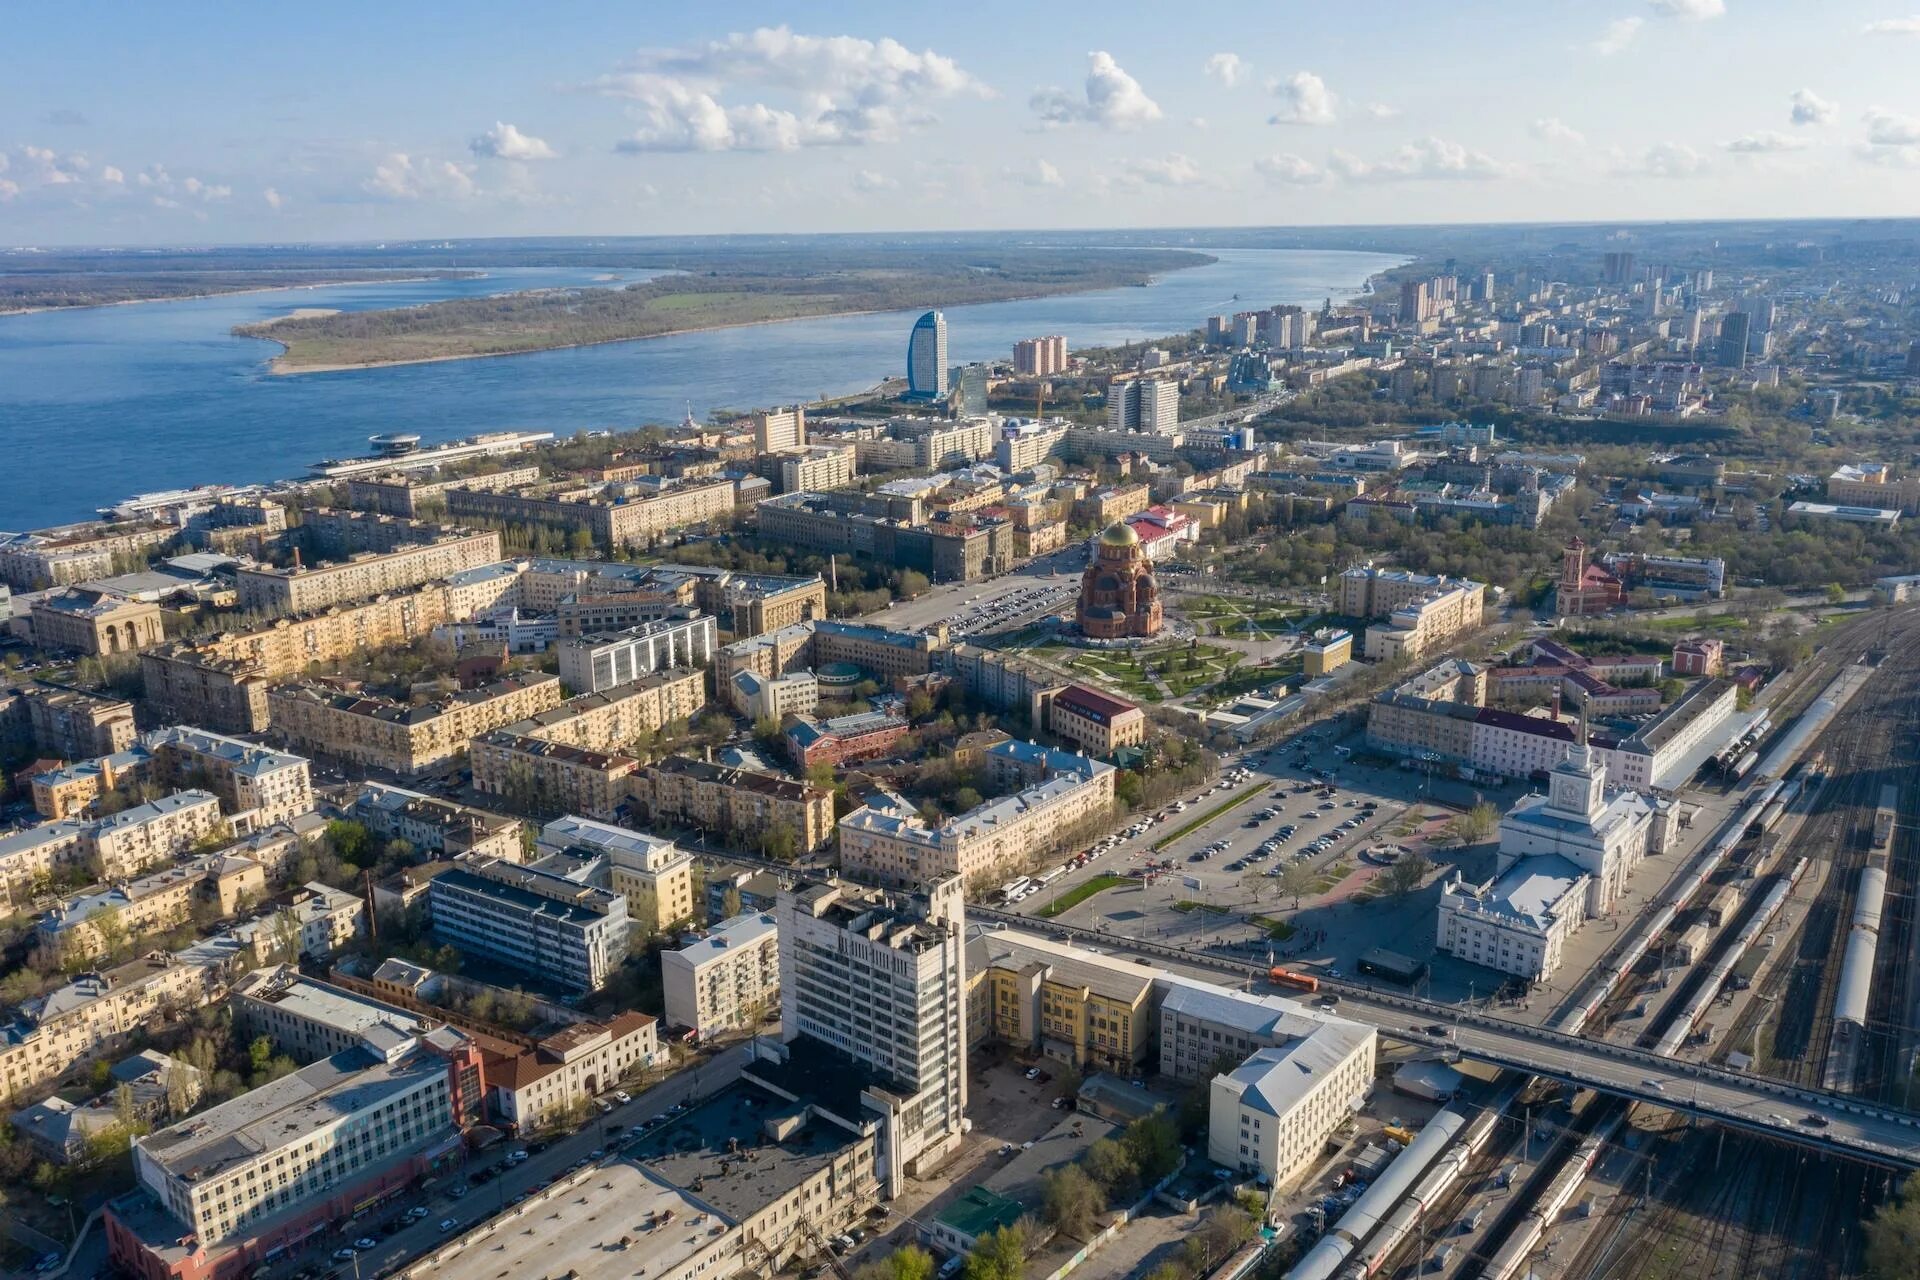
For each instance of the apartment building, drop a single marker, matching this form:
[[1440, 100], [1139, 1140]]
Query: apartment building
[[623, 515], [1420, 623], [70, 724], [1040, 357], [737, 805], [222, 682], [77, 927], [305, 589], [1094, 722], [94, 622], [537, 922], [761, 698], [778, 430], [403, 738], [878, 981], [73, 553], [621, 713], [819, 466], [97, 1013], [1024, 446], [598, 595], [535, 774], [1103, 507], [433, 825], [591, 663], [257, 786], [653, 875], [404, 495], [128, 842], [1060, 795], [727, 979]]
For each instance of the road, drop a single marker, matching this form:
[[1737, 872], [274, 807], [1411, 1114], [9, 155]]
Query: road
[[397, 1247]]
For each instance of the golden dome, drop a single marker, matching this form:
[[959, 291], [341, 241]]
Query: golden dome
[[1120, 535]]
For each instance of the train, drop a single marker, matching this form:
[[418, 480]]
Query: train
[[1883, 817], [1295, 981]]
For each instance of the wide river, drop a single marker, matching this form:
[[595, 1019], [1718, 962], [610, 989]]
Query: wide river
[[102, 403]]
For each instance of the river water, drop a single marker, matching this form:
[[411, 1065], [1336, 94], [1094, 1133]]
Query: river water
[[102, 403]]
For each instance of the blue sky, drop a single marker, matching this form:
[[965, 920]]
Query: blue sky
[[205, 122]]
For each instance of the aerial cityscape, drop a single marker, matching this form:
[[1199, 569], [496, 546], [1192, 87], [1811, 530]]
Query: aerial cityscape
[[876, 647]]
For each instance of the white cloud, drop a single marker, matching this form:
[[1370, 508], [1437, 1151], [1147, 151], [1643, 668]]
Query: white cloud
[[1113, 99], [1809, 108], [168, 188], [1168, 171], [402, 177], [1890, 129], [1689, 10], [505, 142], [1766, 142], [1290, 169], [1893, 27], [1041, 174], [1557, 131], [1381, 111], [109, 174], [8, 190], [1426, 159], [1307, 100], [45, 167], [1228, 68], [1664, 160], [849, 92], [274, 199], [868, 180], [1618, 35]]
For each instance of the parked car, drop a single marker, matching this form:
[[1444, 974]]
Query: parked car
[[448, 1224]]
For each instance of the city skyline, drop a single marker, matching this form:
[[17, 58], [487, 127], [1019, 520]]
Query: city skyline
[[416, 124]]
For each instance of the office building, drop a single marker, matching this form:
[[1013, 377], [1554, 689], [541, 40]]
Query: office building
[[1054, 796], [589, 664], [1089, 720], [559, 1076], [927, 358], [1873, 484], [309, 1020], [739, 807], [653, 875], [1150, 405], [1735, 335], [842, 740], [1269, 1118], [727, 979], [877, 982], [1326, 650], [540, 923], [1040, 357], [780, 430]]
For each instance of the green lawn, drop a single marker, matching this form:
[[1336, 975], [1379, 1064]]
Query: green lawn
[[1251, 793], [1277, 930], [1081, 892]]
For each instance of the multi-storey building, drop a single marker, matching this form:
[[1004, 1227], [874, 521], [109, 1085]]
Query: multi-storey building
[[653, 875], [890, 655], [222, 682], [818, 466], [91, 621], [536, 774], [308, 1019], [73, 553], [877, 981], [1040, 357], [1270, 1117], [1059, 795], [128, 842], [725, 980], [257, 786], [404, 495], [778, 430], [1422, 612], [865, 735], [560, 1075], [1148, 405], [307, 588], [70, 724], [1096, 723], [736, 804], [1103, 507], [540, 923], [591, 663], [774, 698], [77, 928], [404, 738], [620, 714], [640, 510]]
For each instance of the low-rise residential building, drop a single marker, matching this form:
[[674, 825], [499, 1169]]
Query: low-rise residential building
[[1094, 722], [727, 979], [739, 805], [402, 738], [148, 1088], [86, 925], [97, 623], [1059, 796], [653, 875], [433, 825], [540, 923]]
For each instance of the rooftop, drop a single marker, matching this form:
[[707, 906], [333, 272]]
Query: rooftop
[[733, 934], [1530, 888], [311, 1000]]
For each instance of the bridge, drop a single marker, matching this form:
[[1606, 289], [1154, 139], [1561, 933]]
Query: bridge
[[1818, 1119]]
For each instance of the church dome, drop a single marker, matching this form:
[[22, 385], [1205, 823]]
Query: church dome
[[1120, 535]]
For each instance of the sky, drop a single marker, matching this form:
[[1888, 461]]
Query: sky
[[214, 122]]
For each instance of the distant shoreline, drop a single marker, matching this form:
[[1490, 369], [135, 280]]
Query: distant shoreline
[[232, 293]]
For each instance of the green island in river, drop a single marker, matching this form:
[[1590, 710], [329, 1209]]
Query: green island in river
[[698, 295]]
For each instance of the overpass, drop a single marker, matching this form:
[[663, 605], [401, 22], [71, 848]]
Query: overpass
[[1845, 1125]]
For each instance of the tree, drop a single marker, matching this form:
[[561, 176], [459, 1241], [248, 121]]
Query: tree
[[910, 1263], [730, 905], [1001, 1254], [1476, 824], [1296, 879], [1071, 1201], [1154, 1142], [1836, 593], [1112, 1165], [1893, 1237], [349, 839], [1404, 876]]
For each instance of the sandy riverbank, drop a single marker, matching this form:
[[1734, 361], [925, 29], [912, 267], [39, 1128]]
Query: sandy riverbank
[[234, 293]]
